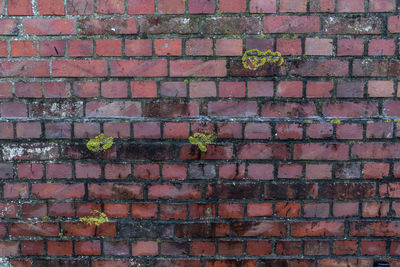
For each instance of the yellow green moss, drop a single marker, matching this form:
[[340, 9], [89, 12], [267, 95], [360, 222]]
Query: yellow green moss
[[202, 140], [335, 121], [100, 143], [98, 220], [254, 58]]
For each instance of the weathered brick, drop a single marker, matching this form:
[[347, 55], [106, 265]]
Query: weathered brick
[[111, 25], [231, 25], [160, 24], [9, 27], [291, 24], [78, 7], [354, 25]]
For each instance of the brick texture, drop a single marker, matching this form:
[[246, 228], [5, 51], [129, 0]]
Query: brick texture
[[304, 168]]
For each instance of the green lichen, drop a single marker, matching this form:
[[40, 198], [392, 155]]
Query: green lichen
[[98, 220], [254, 58], [335, 121], [46, 218], [202, 140], [99, 143], [396, 120]]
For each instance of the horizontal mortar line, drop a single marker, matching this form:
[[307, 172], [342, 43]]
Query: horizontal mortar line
[[204, 118]]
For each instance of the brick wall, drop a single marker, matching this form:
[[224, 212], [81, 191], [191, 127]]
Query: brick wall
[[305, 168]]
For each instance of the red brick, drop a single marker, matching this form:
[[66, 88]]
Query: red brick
[[61, 191], [353, 6], [136, 7], [232, 248], [117, 171], [3, 49], [202, 248], [24, 68], [316, 248], [181, 191], [258, 229], [199, 47], [28, 89], [114, 109], [379, 130], [30, 171], [28, 130], [138, 47], [173, 211], [289, 46], [49, 26], [344, 247], [88, 248], [350, 89], [319, 210], [259, 209], [350, 47], [322, 6], [61, 209], [202, 89], [85, 209], [117, 129], [290, 89], [352, 25], [262, 44], [349, 131], [320, 68], [262, 151], [289, 6], [113, 191], [228, 47], [5, 90], [288, 248], [197, 211], [231, 171], [381, 47], [290, 171], [42, 229], [143, 89], [79, 68], [77, 7], [232, 6], [288, 110], [139, 68], [232, 108], [319, 89], [375, 150], [202, 6], [146, 171], [145, 248], [110, 7], [87, 170], [30, 248], [174, 171], [58, 130], [57, 90], [109, 47], [318, 171], [382, 5], [230, 210], [255, 130], [291, 24], [320, 228], [168, 47], [108, 25], [86, 130], [375, 170], [350, 109], [15, 191], [116, 210], [59, 248], [322, 47], [144, 210], [262, 6], [260, 89], [288, 131], [372, 247], [287, 209], [146, 130], [259, 248], [198, 68], [80, 48], [114, 89], [176, 130], [19, 8], [380, 88], [23, 49], [375, 209], [171, 7], [51, 7], [9, 27], [320, 151]]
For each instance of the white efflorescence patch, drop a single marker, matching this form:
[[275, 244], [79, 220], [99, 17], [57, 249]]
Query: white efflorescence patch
[[4, 262], [10, 152]]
